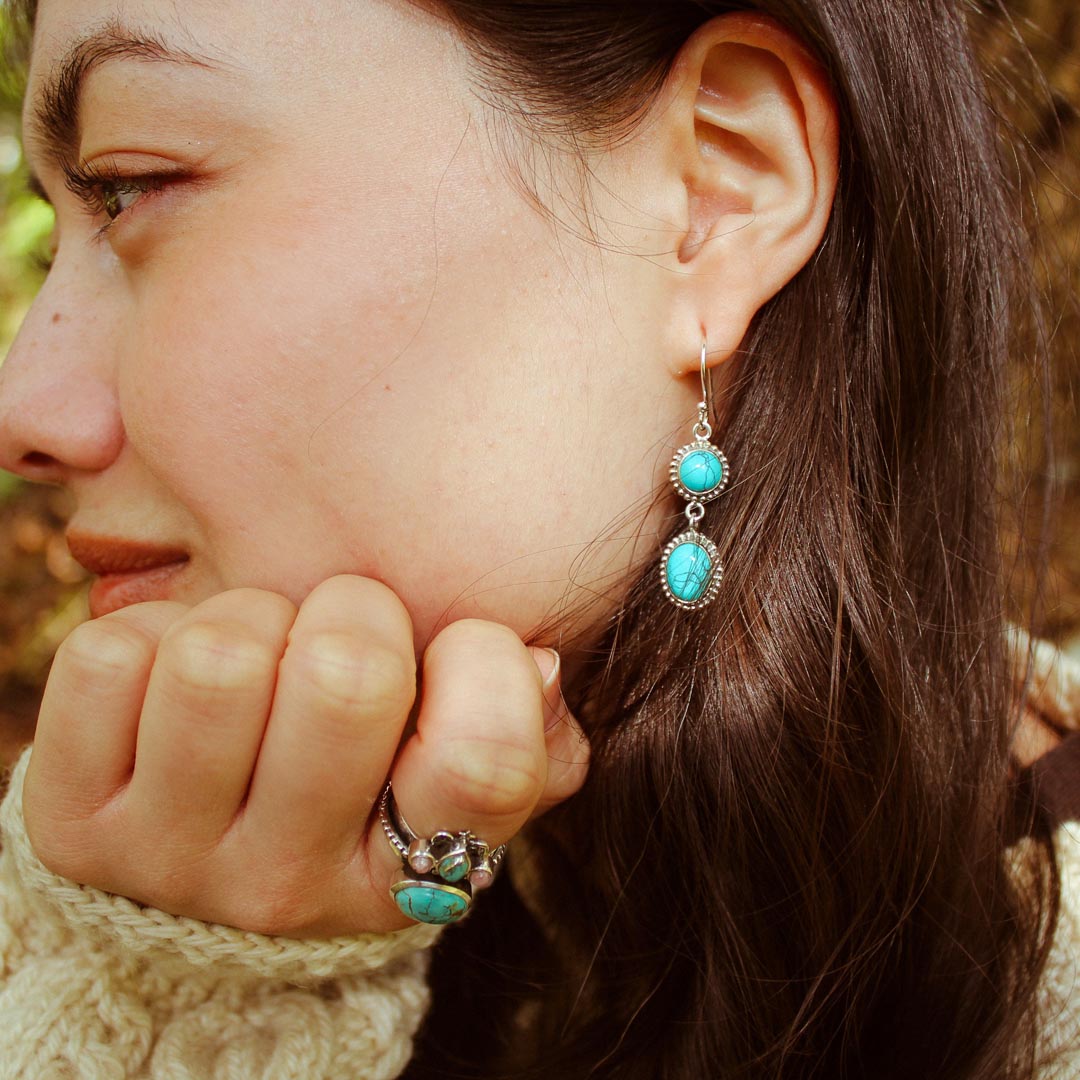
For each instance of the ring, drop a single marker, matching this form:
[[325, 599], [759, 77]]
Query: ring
[[440, 873]]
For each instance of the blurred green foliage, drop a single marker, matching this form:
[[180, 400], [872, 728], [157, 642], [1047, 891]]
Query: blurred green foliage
[[26, 222]]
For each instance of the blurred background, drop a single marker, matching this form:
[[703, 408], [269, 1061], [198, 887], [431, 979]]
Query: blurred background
[[43, 591]]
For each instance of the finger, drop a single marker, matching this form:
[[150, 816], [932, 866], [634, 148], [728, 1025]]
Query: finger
[[567, 746], [345, 687], [478, 759], [205, 711], [84, 746]]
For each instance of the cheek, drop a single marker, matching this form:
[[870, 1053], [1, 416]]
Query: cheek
[[434, 432], [239, 349]]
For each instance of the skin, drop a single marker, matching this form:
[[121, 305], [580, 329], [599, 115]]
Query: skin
[[402, 421]]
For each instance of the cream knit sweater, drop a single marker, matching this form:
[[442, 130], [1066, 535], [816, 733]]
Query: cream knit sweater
[[96, 987]]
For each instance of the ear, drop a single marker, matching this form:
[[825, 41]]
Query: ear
[[748, 137]]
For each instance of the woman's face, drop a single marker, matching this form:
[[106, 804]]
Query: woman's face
[[340, 338]]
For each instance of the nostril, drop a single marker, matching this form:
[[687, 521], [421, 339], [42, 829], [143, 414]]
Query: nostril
[[39, 468]]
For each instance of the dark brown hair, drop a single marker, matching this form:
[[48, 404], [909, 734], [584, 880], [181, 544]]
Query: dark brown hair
[[789, 859]]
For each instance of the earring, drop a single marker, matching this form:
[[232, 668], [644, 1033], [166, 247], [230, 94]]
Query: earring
[[690, 569]]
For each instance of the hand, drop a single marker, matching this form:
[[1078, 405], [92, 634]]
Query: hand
[[224, 761]]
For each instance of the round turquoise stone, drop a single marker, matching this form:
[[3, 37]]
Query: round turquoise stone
[[430, 902], [700, 471], [689, 569]]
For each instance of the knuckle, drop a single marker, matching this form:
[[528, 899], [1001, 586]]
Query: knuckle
[[355, 589], [478, 633], [74, 863], [274, 917], [170, 885], [99, 652], [282, 906], [115, 851], [176, 877], [207, 658], [62, 844], [478, 636], [348, 675], [251, 602], [492, 778], [491, 650]]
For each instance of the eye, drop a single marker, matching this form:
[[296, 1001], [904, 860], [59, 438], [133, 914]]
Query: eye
[[116, 198], [104, 190]]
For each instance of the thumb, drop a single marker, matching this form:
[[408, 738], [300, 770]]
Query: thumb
[[567, 747]]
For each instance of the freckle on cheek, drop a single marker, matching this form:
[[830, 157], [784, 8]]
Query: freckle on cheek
[[56, 316]]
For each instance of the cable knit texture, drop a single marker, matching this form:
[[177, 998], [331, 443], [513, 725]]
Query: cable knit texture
[[1060, 1004], [97, 987], [1055, 693]]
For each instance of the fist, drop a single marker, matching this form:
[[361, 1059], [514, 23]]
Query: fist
[[225, 761]]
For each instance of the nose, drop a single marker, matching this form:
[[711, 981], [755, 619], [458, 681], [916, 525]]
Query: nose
[[59, 411]]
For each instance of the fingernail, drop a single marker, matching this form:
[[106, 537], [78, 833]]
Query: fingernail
[[553, 674], [554, 705]]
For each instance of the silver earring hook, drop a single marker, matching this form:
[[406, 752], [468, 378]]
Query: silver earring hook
[[703, 429], [704, 379]]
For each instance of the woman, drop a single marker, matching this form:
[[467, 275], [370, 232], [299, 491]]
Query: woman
[[372, 349]]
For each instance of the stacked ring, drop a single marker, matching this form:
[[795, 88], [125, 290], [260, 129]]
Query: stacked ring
[[440, 874]]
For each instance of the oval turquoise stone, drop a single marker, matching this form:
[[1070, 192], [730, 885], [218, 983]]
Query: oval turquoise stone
[[701, 471], [430, 902], [688, 571], [455, 866]]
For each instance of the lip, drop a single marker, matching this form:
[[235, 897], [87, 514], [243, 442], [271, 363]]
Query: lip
[[113, 555], [111, 592], [129, 571]]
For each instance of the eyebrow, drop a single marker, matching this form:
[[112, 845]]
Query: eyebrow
[[54, 126]]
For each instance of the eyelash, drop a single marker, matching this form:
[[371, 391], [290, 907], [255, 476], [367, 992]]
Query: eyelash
[[94, 184]]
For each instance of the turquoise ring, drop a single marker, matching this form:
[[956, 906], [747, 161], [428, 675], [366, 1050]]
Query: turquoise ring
[[439, 874], [429, 900]]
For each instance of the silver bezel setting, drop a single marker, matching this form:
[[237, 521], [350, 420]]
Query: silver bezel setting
[[483, 860], [712, 588], [676, 463], [431, 881]]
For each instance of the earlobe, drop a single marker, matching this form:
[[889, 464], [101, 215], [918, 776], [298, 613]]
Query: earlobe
[[753, 124]]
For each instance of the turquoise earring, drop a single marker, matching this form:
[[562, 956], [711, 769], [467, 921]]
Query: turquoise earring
[[690, 569]]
